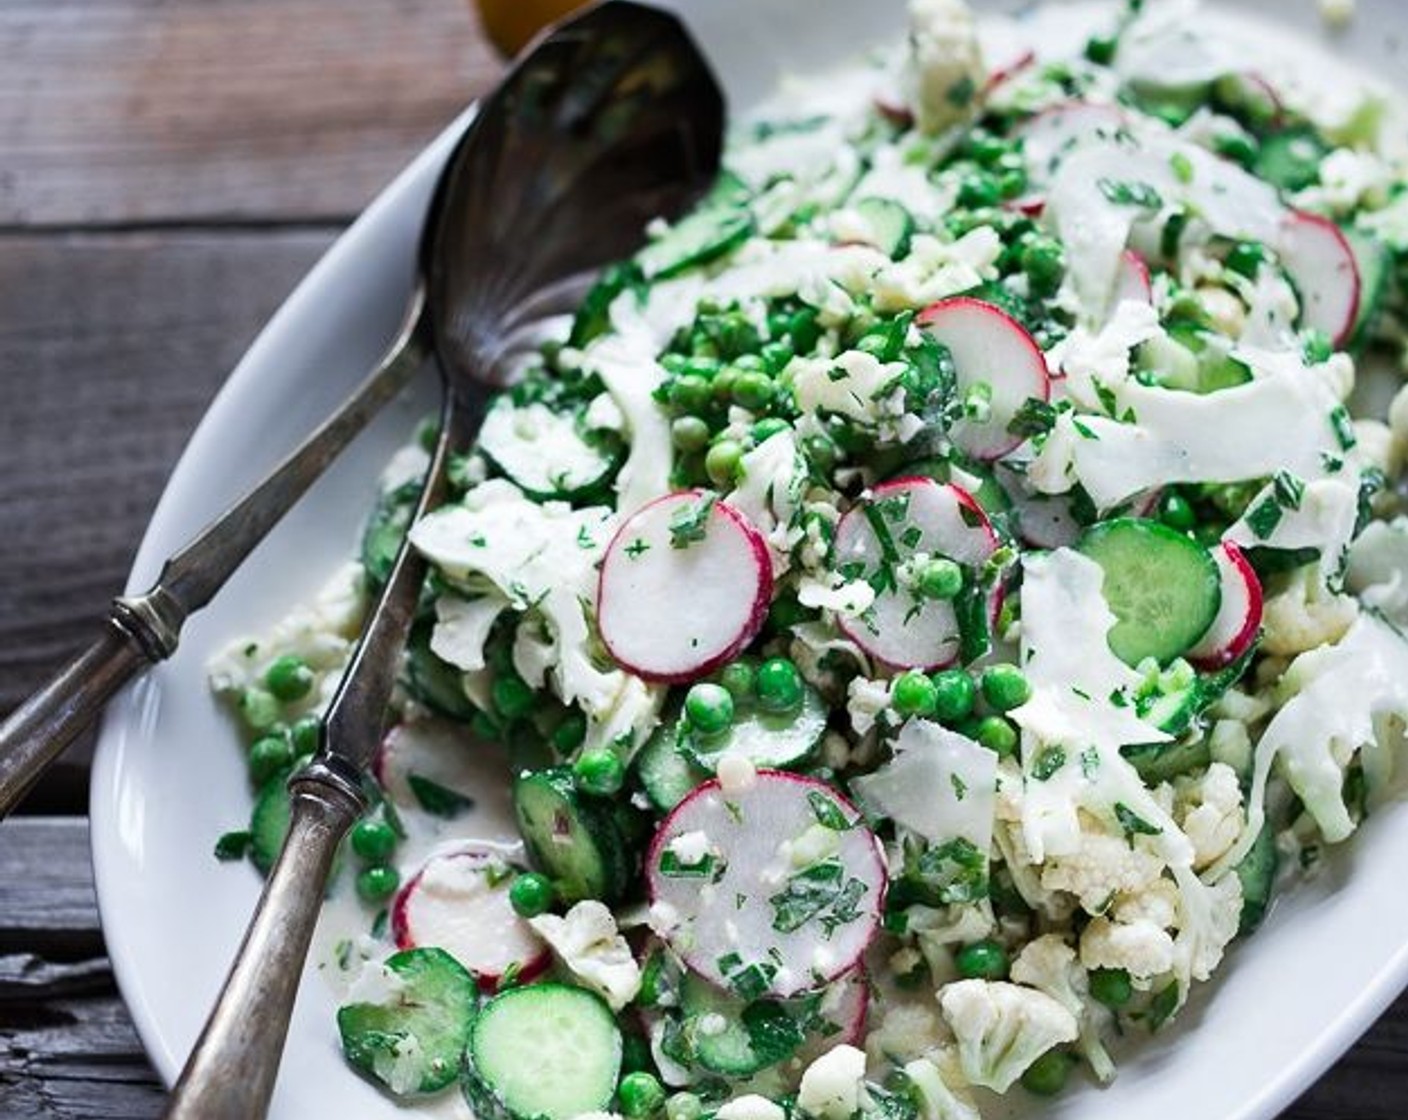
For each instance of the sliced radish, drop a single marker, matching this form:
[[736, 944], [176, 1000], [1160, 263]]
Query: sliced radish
[[1052, 134], [685, 585], [778, 877], [1008, 67], [418, 758], [989, 348], [1046, 521], [1238, 619], [459, 902], [1321, 265], [903, 518], [1132, 282], [1253, 94]]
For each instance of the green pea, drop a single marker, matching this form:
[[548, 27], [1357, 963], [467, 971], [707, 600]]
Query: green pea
[[289, 678], [985, 147], [691, 393], [821, 450], [768, 427], [512, 697], [709, 708], [1005, 687], [530, 894], [1100, 49], [377, 884], [702, 367], [570, 733], [268, 756], [723, 462], [259, 709], [1111, 986], [599, 772], [776, 355], [640, 1095], [982, 960], [722, 386], [779, 685], [1047, 1075], [1176, 512], [1011, 184], [673, 363], [1044, 263], [753, 390], [306, 734], [978, 192], [954, 695], [684, 1106], [738, 677], [689, 433], [940, 579], [998, 735], [913, 694], [373, 841], [1239, 149]]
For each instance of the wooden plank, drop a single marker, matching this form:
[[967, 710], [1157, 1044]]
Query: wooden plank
[[111, 346], [122, 111]]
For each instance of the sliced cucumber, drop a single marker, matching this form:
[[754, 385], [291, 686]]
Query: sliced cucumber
[[891, 225], [1160, 762], [777, 740], [434, 682], [575, 841], [545, 453], [546, 1051], [1258, 874], [735, 1038], [665, 773], [268, 823], [414, 1041], [695, 240], [1290, 159], [381, 540], [1163, 588], [1372, 259], [593, 316]]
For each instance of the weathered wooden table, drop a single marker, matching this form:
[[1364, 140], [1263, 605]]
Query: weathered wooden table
[[168, 170]]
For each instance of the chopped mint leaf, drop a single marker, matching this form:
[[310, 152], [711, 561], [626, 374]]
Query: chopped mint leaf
[[1263, 518], [1047, 763], [436, 799], [1133, 824], [1124, 192], [691, 521], [707, 867], [233, 845], [821, 893], [828, 814]]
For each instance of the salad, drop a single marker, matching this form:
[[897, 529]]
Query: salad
[[922, 610]]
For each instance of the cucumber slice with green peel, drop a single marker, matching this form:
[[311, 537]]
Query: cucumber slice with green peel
[[546, 1051], [413, 1039], [977, 478], [733, 1037], [891, 226], [433, 681], [1290, 159], [572, 839], [1163, 588], [268, 823], [666, 773], [545, 453], [1161, 762], [1372, 259], [777, 740], [381, 540], [695, 240], [1258, 874]]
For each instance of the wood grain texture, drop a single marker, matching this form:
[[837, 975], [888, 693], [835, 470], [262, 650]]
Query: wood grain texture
[[111, 346], [123, 111]]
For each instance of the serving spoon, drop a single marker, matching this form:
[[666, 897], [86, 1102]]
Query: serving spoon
[[611, 119], [556, 174]]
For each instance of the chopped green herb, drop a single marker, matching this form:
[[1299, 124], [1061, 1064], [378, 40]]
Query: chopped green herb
[[1047, 763], [1124, 192], [233, 845], [1263, 518], [828, 813], [820, 892], [1133, 824], [691, 521], [436, 799], [707, 867]]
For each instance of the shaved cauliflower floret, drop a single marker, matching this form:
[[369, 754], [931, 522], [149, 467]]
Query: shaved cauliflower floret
[[588, 943], [1302, 615], [1157, 903], [1050, 965], [906, 1031], [945, 65], [751, 1107], [832, 1085], [937, 1090], [1141, 948], [1003, 1028], [1209, 810], [1103, 866]]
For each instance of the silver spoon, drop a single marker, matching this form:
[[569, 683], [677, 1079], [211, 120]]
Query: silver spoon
[[611, 119]]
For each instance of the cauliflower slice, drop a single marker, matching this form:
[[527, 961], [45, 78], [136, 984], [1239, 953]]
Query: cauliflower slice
[[935, 1094], [1301, 614], [833, 1085], [1003, 1028], [593, 950], [1103, 866], [1140, 947], [945, 66], [1209, 810], [1049, 965]]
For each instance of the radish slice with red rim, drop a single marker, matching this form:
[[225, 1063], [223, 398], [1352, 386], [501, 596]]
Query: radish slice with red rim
[[1238, 620], [429, 764], [459, 901], [1132, 282], [1320, 262], [1052, 134], [772, 885], [998, 365], [685, 585], [902, 519]]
